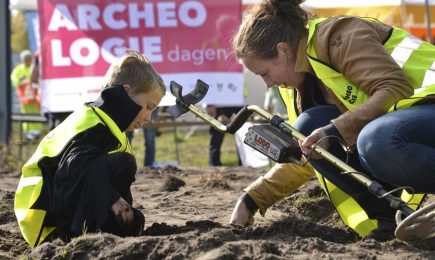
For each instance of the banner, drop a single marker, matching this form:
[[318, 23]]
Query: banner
[[184, 40]]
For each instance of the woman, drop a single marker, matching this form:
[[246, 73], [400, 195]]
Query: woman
[[79, 178], [351, 79]]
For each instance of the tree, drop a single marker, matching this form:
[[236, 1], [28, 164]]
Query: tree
[[19, 38]]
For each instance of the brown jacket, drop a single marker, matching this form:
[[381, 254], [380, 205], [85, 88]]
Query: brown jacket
[[354, 47]]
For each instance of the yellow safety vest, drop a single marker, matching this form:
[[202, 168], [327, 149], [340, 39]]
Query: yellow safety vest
[[19, 73], [414, 56], [417, 60], [31, 221]]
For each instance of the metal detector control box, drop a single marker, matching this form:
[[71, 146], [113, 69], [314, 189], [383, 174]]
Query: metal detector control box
[[271, 142]]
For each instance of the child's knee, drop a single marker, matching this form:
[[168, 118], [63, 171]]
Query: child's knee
[[128, 163]]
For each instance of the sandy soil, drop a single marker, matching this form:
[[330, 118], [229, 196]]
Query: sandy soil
[[191, 222]]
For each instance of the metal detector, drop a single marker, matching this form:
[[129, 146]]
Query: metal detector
[[411, 224]]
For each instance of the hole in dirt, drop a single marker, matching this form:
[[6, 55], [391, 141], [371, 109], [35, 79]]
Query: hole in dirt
[[163, 229]]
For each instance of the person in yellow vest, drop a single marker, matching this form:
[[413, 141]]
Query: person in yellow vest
[[28, 94], [79, 178], [351, 79]]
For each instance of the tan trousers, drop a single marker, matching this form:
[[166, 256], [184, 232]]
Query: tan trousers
[[279, 182]]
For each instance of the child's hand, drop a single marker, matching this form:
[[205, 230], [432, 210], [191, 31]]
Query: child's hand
[[123, 212]]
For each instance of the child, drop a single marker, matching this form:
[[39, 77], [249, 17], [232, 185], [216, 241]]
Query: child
[[79, 178]]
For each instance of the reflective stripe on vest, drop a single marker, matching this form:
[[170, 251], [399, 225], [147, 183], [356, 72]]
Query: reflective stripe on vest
[[414, 56], [29, 188], [348, 209]]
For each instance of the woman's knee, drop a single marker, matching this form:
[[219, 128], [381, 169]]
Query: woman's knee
[[378, 148], [376, 139]]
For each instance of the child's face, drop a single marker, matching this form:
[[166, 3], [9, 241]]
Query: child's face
[[149, 101]]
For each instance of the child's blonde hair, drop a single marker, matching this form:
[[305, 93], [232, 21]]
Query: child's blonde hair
[[135, 70]]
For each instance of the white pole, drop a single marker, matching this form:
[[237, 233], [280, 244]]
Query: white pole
[[429, 29]]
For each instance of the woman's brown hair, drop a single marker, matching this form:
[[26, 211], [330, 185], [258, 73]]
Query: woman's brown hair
[[267, 24]]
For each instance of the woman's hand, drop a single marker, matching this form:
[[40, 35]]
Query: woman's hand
[[241, 215], [313, 138], [123, 212]]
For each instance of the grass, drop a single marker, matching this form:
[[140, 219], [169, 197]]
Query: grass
[[192, 148], [18, 151]]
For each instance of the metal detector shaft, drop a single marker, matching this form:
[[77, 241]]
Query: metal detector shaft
[[241, 117], [289, 129]]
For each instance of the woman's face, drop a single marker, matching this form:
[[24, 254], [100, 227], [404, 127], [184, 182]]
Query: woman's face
[[278, 71], [149, 101]]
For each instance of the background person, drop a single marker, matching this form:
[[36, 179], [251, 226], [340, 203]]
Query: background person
[[222, 114], [353, 79], [28, 94], [225, 25], [79, 178]]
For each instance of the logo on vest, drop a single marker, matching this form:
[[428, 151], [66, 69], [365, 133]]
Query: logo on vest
[[351, 97]]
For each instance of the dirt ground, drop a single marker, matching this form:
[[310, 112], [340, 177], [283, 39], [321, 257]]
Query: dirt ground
[[191, 223]]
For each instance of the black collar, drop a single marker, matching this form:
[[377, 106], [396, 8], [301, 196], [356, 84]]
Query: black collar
[[116, 103]]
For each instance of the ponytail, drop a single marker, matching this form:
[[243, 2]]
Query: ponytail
[[267, 24]]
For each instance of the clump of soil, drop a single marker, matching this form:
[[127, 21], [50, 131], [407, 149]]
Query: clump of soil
[[172, 183], [312, 204], [215, 180]]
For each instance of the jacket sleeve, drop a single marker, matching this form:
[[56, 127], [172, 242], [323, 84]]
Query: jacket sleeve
[[83, 191], [354, 47], [279, 182]]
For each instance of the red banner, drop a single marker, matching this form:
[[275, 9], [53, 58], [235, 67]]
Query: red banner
[[81, 38]]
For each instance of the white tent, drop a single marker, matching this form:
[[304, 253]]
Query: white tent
[[23, 4], [419, 2]]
